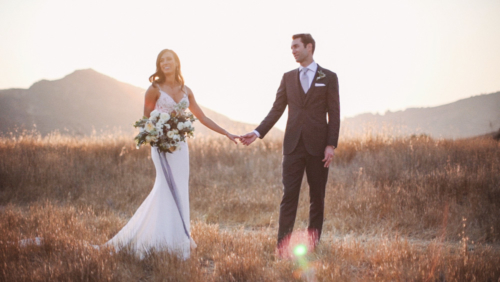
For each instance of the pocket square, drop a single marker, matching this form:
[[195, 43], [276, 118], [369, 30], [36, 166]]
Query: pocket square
[[319, 84]]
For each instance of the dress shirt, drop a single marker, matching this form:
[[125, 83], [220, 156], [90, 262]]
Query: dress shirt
[[312, 71]]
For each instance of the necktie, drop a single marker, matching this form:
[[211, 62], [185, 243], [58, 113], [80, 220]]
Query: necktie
[[304, 79]]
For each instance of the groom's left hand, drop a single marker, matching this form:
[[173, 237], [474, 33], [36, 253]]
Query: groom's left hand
[[329, 152]]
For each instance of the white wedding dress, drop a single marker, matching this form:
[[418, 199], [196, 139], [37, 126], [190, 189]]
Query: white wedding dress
[[162, 220]]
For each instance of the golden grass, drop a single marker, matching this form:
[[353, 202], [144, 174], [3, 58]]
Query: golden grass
[[397, 209]]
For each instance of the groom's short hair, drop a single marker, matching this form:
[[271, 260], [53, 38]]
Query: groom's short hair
[[306, 38]]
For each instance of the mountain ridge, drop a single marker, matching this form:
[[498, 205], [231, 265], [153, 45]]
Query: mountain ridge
[[85, 102], [472, 116]]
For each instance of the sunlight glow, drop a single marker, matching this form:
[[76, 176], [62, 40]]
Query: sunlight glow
[[389, 55]]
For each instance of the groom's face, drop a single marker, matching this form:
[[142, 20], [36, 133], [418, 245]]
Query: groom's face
[[299, 51]]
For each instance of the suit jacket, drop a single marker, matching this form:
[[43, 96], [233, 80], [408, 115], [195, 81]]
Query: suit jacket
[[307, 113]]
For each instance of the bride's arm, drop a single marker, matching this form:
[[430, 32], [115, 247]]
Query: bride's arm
[[206, 121], [152, 94]]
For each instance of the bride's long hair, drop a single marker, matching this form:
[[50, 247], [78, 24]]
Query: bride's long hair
[[159, 76]]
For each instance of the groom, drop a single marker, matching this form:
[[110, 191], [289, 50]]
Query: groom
[[311, 94]]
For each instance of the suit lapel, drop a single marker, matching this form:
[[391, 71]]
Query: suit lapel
[[299, 91]]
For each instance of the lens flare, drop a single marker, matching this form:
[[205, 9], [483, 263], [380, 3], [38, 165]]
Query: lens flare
[[300, 250], [298, 247]]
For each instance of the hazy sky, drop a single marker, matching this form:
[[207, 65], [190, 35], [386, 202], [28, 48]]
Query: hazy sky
[[388, 55]]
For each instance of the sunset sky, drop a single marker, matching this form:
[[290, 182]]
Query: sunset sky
[[389, 55]]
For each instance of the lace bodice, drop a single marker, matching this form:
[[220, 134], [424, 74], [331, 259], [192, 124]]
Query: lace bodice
[[166, 104]]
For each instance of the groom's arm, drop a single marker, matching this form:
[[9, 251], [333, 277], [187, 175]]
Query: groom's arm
[[276, 111], [333, 104]]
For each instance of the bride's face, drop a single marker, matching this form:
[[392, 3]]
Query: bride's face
[[167, 63]]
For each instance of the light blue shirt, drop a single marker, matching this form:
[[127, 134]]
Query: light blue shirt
[[310, 74]]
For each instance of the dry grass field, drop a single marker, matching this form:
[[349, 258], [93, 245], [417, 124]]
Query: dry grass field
[[397, 209]]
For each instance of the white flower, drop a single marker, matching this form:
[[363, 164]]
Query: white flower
[[170, 134], [167, 126], [180, 126], [175, 131], [159, 128], [164, 117], [176, 137], [320, 75], [187, 124], [154, 114], [149, 126], [149, 138], [141, 129]]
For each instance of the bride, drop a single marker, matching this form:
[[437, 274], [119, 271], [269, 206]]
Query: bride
[[162, 220]]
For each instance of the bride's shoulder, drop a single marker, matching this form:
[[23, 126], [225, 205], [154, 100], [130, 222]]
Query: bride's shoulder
[[153, 91], [188, 91]]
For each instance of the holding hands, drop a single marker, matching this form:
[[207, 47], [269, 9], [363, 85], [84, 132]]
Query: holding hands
[[248, 138], [232, 137]]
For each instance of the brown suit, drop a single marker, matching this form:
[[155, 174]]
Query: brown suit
[[308, 132]]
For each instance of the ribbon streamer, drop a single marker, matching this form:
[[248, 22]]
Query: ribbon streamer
[[173, 188]]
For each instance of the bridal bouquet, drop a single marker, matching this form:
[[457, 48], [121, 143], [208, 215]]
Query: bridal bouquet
[[165, 131]]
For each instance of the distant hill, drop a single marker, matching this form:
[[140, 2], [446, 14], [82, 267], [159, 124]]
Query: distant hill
[[477, 115], [84, 102]]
